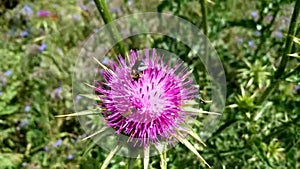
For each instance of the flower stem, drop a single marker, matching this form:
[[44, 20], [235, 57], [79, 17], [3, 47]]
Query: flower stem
[[204, 15], [284, 58], [104, 12]]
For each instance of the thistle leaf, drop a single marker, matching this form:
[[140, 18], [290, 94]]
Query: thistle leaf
[[110, 156], [191, 147]]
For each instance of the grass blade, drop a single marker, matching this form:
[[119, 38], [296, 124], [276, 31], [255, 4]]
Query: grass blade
[[191, 147], [110, 156], [97, 132], [81, 113], [146, 158]]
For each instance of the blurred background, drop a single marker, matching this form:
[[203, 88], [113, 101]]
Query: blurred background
[[39, 45]]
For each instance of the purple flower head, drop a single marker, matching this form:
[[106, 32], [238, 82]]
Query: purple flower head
[[254, 14], [258, 33], [27, 108], [42, 47], [251, 43], [83, 7], [56, 94], [297, 89], [57, 143], [143, 98], [115, 10], [70, 157], [24, 33], [75, 17], [43, 13], [8, 73], [24, 123], [278, 35], [78, 97], [46, 149], [130, 2], [96, 30], [27, 9]]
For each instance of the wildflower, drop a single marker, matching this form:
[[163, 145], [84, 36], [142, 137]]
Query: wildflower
[[106, 60], [42, 47], [258, 33], [83, 7], [278, 34], [27, 9], [146, 108], [254, 14], [46, 149], [57, 143], [70, 157], [78, 97], [24, 123], [1, 93], [251, 43], [130, 2], [297, 89], [27, 108], [43, 13], [75, 17], [96, 30], [8, 73], [56, 94], [115, 10], [24, 33]]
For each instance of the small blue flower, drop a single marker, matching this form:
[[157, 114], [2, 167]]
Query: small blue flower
[[106, 60], [28, 9], [297, 88], [115, 10], [96, 30], [1, 93], [78, 97], [254, 14], [46, 149], [27, 108], [42, 47], [83, 7], [130, 2], [75, 17], [70, 157], [251, 43], [24, 123], [278, 34], [57, 143], [24, 33], [257, 32], [8, 73]]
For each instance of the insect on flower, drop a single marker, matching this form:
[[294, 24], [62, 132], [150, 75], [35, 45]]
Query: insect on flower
[[137, 69]]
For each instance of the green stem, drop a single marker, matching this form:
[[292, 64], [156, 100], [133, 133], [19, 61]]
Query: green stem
[[204, 15], [284, 58], [289, 40], [104, 12]]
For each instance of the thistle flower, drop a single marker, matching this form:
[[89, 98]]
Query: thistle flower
[[43, 13], [148, 107], [147, 100]]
